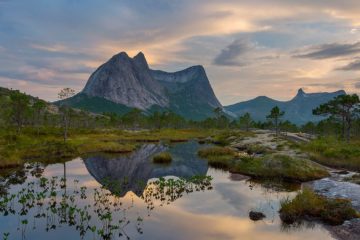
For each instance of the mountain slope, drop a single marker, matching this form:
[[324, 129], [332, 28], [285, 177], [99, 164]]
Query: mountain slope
[[129, 82], [298, 110], [189, 92]]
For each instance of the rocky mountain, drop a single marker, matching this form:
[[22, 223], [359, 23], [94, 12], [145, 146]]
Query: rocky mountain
[[298, 110], [124, 82]]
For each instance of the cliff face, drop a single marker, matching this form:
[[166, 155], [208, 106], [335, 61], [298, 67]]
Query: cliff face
[[130, 82], [126, 81]]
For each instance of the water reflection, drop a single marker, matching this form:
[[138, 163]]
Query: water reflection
[[143, 202], [132, 171]]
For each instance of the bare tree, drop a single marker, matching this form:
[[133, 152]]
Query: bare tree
[[65, 109]]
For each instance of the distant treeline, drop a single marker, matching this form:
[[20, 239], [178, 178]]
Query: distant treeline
[[18, 110]]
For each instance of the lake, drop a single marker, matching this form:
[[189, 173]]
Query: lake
[[103, 196]]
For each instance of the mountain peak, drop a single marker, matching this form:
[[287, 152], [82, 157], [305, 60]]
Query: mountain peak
[[121, 55], [300, 92], [140, 60]]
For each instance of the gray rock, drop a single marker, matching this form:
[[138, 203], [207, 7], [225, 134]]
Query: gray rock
[[256, 216], [334, 188], [126, 81]]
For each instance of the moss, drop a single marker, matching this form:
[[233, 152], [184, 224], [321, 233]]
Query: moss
[[307, 204], [279, 166], [335, 153], [163, 158], [224, 138]]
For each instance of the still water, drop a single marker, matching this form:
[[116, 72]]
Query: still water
[[69, 200]]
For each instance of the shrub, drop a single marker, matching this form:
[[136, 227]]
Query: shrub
[[163, 157], [307, 204]]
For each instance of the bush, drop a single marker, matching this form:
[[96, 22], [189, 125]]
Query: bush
[[308, 204], [163, 157]]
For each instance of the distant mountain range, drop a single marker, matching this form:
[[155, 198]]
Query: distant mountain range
[[298, 110], [123, 83]]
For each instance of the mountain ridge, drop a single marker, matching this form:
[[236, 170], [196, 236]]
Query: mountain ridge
[[297, 110]]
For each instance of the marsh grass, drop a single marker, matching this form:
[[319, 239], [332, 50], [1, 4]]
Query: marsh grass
[[47, 144], [162, 158], [279, 167], [219, 157], [335, 153], [308, 205]]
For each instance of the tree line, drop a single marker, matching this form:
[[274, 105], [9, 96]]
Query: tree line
[[18, 111]]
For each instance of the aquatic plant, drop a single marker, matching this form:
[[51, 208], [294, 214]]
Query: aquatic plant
[[48, 203]]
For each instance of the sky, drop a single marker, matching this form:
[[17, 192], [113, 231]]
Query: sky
[[248, 48]]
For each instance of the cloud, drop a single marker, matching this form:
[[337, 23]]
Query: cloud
[[357, 85], [331, 50], [353, 66], [230, 55], [56, 43]]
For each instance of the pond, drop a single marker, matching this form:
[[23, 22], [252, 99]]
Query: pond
[[128, 197]]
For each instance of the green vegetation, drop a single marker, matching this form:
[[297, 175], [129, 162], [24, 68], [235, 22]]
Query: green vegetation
[[219, 157], [332, 152], [257, 149], [344, 107], [49, 145], [270, 166], [245, 122], [274, 116], [309, 204], [279, 167], [223, 138], [163, 158]]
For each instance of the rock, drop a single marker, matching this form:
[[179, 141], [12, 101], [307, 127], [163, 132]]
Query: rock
[[349, 230], [256, 216], [343, 172], [337, 189], [127, 81]]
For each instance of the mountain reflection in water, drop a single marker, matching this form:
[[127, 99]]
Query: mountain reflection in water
[[132, 171]]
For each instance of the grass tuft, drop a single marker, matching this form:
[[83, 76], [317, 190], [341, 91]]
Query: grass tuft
[[218, 157], [162, 158], [309, 205]]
